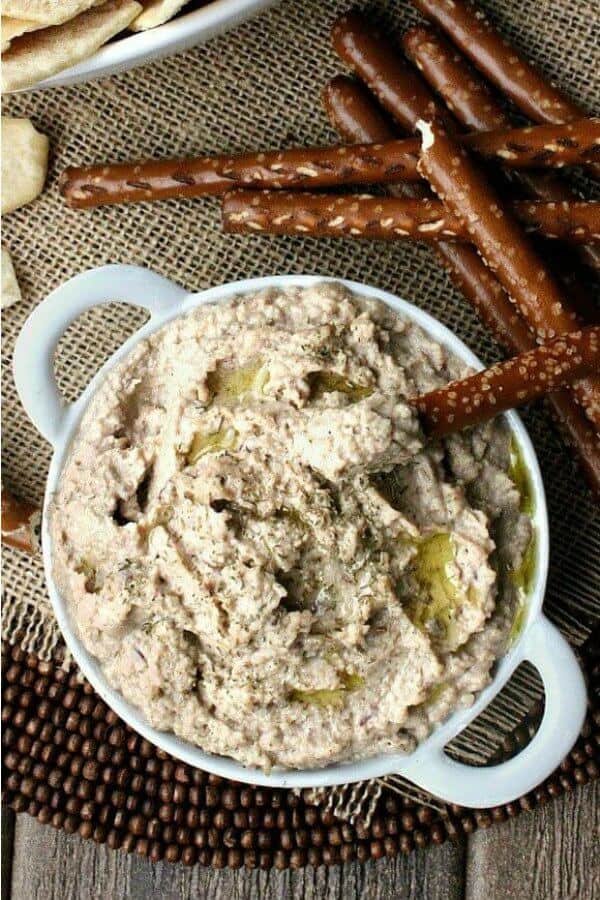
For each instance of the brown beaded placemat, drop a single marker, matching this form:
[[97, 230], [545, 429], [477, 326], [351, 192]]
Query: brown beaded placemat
[[258, 86], [72, 763]]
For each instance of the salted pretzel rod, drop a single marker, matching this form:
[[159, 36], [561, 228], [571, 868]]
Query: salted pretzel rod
[[313, 167], [468, 27], [390, 218], [20, 523], [357, 117], [512, 383], [502, 244], [397, 87], [467, 95]]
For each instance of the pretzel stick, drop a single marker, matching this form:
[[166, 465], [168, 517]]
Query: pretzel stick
[[467, 26], [502, 245], [397, 87], [301, 167], [20, 522], [305, 167], [467, 95], [354, 113], [389, 218], [511, 383], [463, 90], [554, 146], [575, 221]]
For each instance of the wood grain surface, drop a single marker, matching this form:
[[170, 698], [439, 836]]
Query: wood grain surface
[[553, 852]]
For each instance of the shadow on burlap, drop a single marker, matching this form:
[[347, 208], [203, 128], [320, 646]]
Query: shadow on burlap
[[257, 87]]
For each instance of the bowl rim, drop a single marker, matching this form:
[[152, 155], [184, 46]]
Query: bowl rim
[[137, 48], [337, 773]]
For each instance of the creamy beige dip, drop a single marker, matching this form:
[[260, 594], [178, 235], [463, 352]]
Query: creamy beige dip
[[262, 551]]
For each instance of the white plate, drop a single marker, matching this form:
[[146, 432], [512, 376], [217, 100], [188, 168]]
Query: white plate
[[429, 767], [181, 33]]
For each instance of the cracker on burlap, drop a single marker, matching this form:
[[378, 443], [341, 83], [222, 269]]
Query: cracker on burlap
[[47, 12], [24, 163], [156, 12], [10, 292], [40, 54]]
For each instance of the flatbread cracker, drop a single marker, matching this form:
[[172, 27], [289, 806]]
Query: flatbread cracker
[[36, 56], [12, 28], [47, 12], [11, 292], [156, 12], [24, 163]]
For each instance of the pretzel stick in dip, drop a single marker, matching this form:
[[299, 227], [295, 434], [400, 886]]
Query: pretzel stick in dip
[[466, 93], [390, 218], [20, 523], [357, 117], [511, 383], [502, 244]]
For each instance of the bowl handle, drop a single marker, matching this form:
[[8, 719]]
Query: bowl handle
[[33, 360], [564, 713]]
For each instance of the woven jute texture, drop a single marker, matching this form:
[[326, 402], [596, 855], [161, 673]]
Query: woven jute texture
[[257, 87]]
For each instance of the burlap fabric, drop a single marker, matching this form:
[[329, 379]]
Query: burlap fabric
[[257, 87]]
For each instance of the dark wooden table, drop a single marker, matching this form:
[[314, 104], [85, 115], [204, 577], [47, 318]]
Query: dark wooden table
[[552, 853]]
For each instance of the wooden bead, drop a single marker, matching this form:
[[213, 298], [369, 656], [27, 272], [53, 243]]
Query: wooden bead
[[254, 818], [85, 830], [120, 818], [286, 839], [153, 828], [219, 859], [211, 795], [230, 838], [247, 797], [314, 857], [222, 819], [183, 835], [189, 856], [302, 837], [406, 843], [280, 860], [44, 816], [128, 843], [230, 798], [390, 846], [297, 858], [335, 834], [156, 851], [137, 825], [437, 833], [142, 847], [264, 840], [269, 819], [347, 853], [235, 859], [180, 793], [331, 855], [420, 838], [483, 818]]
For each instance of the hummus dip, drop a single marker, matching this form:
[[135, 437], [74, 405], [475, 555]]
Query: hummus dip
[[262, 550]]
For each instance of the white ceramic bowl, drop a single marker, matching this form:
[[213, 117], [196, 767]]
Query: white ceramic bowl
[[429, 767], [181, 33]]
